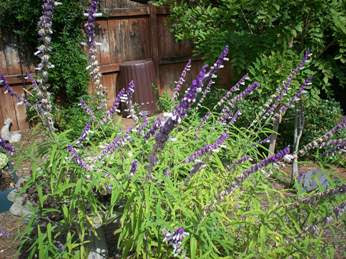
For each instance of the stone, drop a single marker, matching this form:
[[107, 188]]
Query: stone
[[312, 179], [98, 246]]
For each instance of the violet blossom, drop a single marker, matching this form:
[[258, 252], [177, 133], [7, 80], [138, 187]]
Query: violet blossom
[[87, 109], [207, 148], [282, 90], [294, 99], [134, 166], [233, 89], [77, 159], [244, 175], [181, 80], [175, 239], [211, 74], [231, 104], [317, 142], [154, 127], [7, 146], [84, 134], [121, 97], [8, 89], [94, 68], [4, 234]]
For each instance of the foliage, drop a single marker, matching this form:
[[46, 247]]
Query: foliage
[[18, 26], [165, 102], [253, 28], [75, 193]]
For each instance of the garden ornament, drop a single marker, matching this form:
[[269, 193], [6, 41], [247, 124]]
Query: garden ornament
[[11, 137]]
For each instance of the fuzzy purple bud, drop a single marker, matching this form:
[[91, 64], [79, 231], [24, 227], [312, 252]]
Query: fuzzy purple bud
[[175, 239], [133, 168], [181, 80], [84, 134], [87, 109], [78, 160], [207, 148], [7, 147]]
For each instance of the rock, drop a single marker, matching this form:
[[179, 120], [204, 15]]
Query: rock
[[19, 209], [98, 246], [312, 179]]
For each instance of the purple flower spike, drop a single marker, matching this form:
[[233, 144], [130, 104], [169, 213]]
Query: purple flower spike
[[7, 147], [11, 92], [4, 234], [119, 98], [229, 106], [78, 160], [244, 175], [134, 166], [207, 148], [294, 99], [281, 91], [94, 68], [317, 142], [117, 142], [156, 125], [175, 239], [87, 109], [233, 89], [181, 80], [84, 134]]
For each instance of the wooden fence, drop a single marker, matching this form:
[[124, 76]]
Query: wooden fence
[[127, 31]]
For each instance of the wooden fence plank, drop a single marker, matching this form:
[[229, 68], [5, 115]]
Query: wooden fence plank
[[8, 108], [20, 110], [154, 42]]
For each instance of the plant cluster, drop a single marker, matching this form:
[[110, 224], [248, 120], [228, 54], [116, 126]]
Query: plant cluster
[[164, 188]]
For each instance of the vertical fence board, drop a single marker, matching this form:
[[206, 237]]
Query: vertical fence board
[[20, 110], [110, 81], [8, 108]]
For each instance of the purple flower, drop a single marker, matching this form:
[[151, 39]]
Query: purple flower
[[244, 175], [4, 234], [181, 80], [212, 73], [281, 91], [121, 96], [84, 134], [117, 142], [156, 125], [294, 99], [207, 148], [87, 109], [133, 168], [93, 67], [175, 239], [233, 89], [317, 142], [78, 160], [11, 92], [231, 104], [7, 146]]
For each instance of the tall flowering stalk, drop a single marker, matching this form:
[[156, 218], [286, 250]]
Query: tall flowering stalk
[[78, 160], [121, 97], [212, 73], [244, 175], [94, 68], [43, 52], [7, 146], [207, 148], [87, 109], [274, 101], [181, 81], [225, 113], [317, 142], [175, 118], [294, 99], [84, 134], [233, 89], [20, 99]]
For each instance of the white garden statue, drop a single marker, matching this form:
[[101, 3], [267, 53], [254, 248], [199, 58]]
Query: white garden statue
[[11, 137]]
